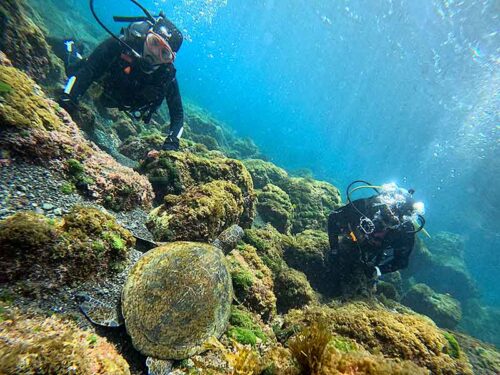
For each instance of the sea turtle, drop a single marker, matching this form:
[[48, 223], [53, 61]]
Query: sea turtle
[[175, 297]]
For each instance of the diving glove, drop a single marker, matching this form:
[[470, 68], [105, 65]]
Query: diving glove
[[171, 144]]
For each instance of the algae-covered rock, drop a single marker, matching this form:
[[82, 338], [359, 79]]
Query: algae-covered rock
[[246, 328], [395, 334], [264, 173], [86, 243], [25, 105], [36, 129], [481, 321], [33, 344], [313, 201], [137, 147], [199, 214], [441, 308], [23, 41], [176, 297], [292, 290], [252, 281], [442, 266], [291, 287], [202, 128], [269, 244], [307, 252], [484, 358], [174, 172], [275, 207]]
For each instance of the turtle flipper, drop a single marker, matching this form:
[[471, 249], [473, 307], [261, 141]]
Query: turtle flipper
[[100, 313], [158, 366]]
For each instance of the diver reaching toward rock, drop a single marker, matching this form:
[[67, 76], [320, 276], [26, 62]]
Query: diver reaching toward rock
[[136, 71], [372, 236]]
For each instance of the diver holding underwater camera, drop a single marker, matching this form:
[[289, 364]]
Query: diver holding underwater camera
[[135, 69], [372, 236]]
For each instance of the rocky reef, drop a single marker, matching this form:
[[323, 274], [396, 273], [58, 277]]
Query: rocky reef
[[266, 304], [32, 343]]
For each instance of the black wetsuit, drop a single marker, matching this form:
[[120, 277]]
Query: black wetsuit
[[354, 254], [126, 86]]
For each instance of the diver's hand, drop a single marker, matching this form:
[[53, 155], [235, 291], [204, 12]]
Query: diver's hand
[[68, 103], [170, 144]]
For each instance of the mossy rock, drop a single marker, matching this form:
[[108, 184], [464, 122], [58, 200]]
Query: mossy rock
[[313, 201], [292, 290], [245, 328], [275, 207], [291, 287], [33, 344], [397, 333], [176, 297], [269, 244], [446, 275], [308, 253], [199, 214], [264, 173], [252, 281], [482, 322], [86, 243], [484, 358], [25, 106], [443, 309], [137, 147], [174, 172], [24, 43]]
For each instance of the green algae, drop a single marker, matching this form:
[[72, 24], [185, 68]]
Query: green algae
[[5, 88], [453, 346]]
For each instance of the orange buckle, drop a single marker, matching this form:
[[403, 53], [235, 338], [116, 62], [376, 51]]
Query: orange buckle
[[353, 237]]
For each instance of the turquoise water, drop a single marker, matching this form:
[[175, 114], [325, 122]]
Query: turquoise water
[[383, 90]]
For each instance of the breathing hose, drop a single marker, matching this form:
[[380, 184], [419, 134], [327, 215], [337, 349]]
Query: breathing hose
[[122, 42]]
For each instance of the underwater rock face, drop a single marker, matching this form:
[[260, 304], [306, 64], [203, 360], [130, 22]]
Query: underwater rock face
[[204, 129], [307, 252], [34, 344], [24, 43], [176, 297], [484, 358], [264, 173], [199, 214], [291, 287], [441, 308], [275, 207], [481, 321], [174, 172], [292, 290], [312, 200], [252, 281], [36, 129], [86, 243], [443, 270], [395, 334]]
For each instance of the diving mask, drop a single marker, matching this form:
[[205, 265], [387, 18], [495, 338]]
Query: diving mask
[[157, 50]]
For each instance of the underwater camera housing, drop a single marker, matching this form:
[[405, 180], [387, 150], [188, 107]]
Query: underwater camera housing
[[139, 28], [393, 206]]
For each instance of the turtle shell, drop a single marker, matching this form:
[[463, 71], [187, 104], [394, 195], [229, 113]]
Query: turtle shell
[[175, 298]]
